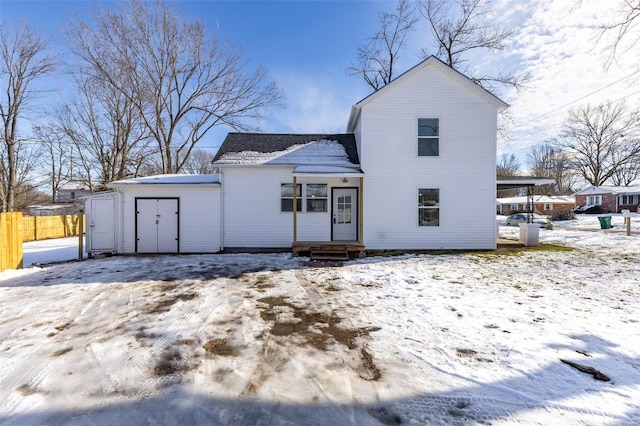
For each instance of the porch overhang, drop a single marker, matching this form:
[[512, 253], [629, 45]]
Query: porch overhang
[[327, 172]]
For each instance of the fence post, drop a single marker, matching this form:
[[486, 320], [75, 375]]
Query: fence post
[[80, 232], [11, 241]]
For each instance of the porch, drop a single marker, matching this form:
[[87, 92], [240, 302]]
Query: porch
[[328, 250]]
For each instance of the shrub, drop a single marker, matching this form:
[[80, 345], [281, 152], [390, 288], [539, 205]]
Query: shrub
[[563, 215]]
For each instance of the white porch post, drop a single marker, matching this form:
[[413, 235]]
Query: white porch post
[[361, 210], [295, 210]]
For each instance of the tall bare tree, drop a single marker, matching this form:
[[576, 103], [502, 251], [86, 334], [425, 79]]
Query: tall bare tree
[[106, 127], [508, 165], [548, 161], [185, 83], [376, 59], [462, 26], [26, 159], [23, 59], [57, 156], [600, 140]]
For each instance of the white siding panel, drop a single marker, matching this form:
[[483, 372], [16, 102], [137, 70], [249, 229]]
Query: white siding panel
[[199, 215], [464, 171], [252, 216]]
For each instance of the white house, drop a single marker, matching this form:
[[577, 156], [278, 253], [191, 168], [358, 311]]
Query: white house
[[414, 170]]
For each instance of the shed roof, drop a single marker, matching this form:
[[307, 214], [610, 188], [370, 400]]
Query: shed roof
[[168, 179], [295, 149]]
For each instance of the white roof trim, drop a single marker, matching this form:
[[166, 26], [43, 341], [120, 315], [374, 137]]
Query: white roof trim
[[327, 171]]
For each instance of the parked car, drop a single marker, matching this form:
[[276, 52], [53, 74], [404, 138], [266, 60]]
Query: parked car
[[518, 218], [588, 208]]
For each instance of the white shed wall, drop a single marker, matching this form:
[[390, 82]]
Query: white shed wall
[[199, 215], [464, 171]]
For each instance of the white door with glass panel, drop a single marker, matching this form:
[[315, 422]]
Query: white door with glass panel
[[345, 214]]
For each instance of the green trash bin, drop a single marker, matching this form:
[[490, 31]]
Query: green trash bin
[[605, 222]]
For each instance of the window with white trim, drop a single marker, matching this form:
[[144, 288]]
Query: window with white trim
[[428, 207], [594, 200], [316, 197], [428, 137], [547, 206], [627, 199], [286, 197]]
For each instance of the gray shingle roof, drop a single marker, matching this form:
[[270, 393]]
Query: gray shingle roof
[[273, 142]]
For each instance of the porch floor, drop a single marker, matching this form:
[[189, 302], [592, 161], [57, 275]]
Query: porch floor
[[327, 246]]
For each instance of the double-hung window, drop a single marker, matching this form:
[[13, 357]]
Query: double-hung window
[[594, 200], [428, 137], [428, 207], [627, 200], [316, 197], [286, 197]]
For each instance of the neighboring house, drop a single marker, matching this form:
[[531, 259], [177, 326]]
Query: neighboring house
[[543, 204], [71, 192], [414, 170], [52, 209], [611, 199]]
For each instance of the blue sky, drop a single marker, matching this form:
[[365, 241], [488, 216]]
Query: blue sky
[[306, 46]]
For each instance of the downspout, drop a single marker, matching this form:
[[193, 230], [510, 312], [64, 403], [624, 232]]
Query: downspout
[[361, 209], [220, 178]]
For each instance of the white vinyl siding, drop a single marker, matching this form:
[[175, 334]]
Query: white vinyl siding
[[464, 171], [199, 218]]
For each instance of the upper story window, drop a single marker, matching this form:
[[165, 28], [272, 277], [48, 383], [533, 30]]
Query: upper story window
[[428, 207], [594, 200], [316, 197], [428, 137], [286, 197]]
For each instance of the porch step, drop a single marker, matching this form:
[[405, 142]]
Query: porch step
[[329, 254]]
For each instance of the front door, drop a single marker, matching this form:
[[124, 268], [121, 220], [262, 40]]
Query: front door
[[345, 214], [156, 225]]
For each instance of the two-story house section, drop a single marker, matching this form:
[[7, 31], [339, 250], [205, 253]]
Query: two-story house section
[[427, 146]]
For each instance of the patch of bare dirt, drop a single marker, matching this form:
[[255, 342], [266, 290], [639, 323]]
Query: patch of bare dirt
[[60, 352], [220, 347]]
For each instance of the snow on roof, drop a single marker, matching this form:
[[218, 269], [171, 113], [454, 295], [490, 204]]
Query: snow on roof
[[610, 189], [321, 152], [168, 179], [74, 186], [553, 199]]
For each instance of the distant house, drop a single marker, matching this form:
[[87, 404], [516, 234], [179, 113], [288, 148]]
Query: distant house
[[610, 198], [417, 158], [542, 204], [71, 192]]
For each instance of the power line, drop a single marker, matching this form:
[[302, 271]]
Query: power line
[[583, 97]]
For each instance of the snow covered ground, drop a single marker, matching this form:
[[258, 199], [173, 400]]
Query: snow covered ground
[[49, 251], [244, 339]]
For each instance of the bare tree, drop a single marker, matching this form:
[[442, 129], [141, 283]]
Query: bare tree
[[26, 158], [376, 59], [106, 127], [600, 140], [200, 162], [22, 61], [628, 173], [184, 83], [508, 165], [460, 27], [57, 154], [547, 161], [627, 17]]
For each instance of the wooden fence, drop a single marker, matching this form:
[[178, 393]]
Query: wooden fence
[[10, 241], [16, 229], [35, 228]]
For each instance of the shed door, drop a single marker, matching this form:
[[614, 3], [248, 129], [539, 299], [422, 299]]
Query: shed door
[[101, 225], [157, 225]]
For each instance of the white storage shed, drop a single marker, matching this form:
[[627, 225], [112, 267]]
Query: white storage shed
[[157, 214]]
